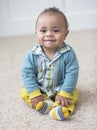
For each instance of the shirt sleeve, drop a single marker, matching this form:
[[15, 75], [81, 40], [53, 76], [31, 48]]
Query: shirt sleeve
[[29, 75], [71, 73]]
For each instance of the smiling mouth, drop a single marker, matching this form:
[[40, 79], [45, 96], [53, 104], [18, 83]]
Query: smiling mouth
[[49, 40]]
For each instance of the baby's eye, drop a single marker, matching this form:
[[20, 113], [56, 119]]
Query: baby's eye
[[56, 30], [43, 30]]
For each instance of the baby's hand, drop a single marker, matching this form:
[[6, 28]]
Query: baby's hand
[[37, 99], [63, 101]]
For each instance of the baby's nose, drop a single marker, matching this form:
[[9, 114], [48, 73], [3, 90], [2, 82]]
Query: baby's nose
[[49, 33]]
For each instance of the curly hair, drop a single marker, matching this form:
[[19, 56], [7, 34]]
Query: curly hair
[[53, 11]]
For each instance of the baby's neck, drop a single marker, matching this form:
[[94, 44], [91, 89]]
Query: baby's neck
[[50, 56], [49, 53]]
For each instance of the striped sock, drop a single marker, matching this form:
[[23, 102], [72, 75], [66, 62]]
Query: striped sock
[[44, 106], [59, 113]]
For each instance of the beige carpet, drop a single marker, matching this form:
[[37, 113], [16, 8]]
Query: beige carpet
[[16, 115]]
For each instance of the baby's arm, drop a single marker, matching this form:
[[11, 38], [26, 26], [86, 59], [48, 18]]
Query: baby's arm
[[70, 79], [29, 75]]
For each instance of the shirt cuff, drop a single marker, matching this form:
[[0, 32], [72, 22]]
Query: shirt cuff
[[35, 94], [65, 94]]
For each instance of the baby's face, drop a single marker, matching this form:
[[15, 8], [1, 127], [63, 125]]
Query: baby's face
[[51, 31]]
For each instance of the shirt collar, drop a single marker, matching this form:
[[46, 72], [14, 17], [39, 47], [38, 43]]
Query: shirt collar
[[38, 50], [64, 48]]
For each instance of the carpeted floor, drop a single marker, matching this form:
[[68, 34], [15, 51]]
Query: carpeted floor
[[16, 115]]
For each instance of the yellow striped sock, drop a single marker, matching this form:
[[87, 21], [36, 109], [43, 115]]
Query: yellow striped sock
[[39, 106], [44, 106], [59, 113]]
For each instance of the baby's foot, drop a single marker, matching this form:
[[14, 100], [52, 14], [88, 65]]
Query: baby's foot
[[44, 106], [59, 113]]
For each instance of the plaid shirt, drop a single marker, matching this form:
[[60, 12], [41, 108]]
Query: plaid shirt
[[47, 70]]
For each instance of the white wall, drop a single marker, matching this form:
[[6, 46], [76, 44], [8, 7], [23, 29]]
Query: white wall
[[82, 14], [17, 17]]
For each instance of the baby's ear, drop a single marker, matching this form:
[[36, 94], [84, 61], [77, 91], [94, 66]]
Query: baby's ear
[[67, 32]]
